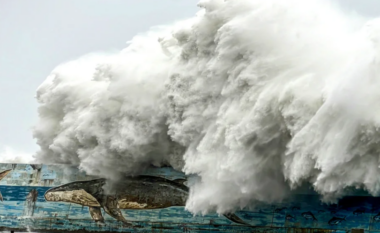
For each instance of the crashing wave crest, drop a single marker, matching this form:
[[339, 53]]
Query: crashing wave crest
[[254, 97]]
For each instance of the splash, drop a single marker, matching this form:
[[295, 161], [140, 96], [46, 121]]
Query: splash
[[254, 97]]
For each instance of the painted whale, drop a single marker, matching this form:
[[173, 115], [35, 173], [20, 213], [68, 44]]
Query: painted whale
[[141, 192], [2, 175]]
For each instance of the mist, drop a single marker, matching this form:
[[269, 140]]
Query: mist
[[254, 98]]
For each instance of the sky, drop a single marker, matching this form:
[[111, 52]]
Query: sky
[[38, 35]]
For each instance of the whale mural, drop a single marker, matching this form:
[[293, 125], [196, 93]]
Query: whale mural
[[142, 192], [64, 199]]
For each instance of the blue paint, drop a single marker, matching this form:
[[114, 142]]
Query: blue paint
[[48, 173], [299, 211], [18, 193]]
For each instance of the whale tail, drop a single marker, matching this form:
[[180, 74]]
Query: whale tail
[[234, 218]]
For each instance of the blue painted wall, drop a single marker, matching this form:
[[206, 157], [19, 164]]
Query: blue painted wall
[[300, 211]]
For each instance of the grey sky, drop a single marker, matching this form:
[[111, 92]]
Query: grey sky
[[370, 8], [37, 35]]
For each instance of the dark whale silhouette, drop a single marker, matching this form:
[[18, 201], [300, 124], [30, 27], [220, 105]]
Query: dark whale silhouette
[[140, 192], [309, 215], [336, 220]]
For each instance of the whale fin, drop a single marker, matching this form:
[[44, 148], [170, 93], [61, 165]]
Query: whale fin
[[180, 181], [96, 214], [110, 206], [4, 173], [1, 197], [235, 218]]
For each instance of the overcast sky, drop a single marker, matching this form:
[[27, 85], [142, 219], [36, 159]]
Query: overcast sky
[[38, 35]]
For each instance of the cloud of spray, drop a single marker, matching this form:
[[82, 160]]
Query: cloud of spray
[[10, 155], [254, 97]]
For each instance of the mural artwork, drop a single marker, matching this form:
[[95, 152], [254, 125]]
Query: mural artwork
[[142, 192], [62, 198]]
